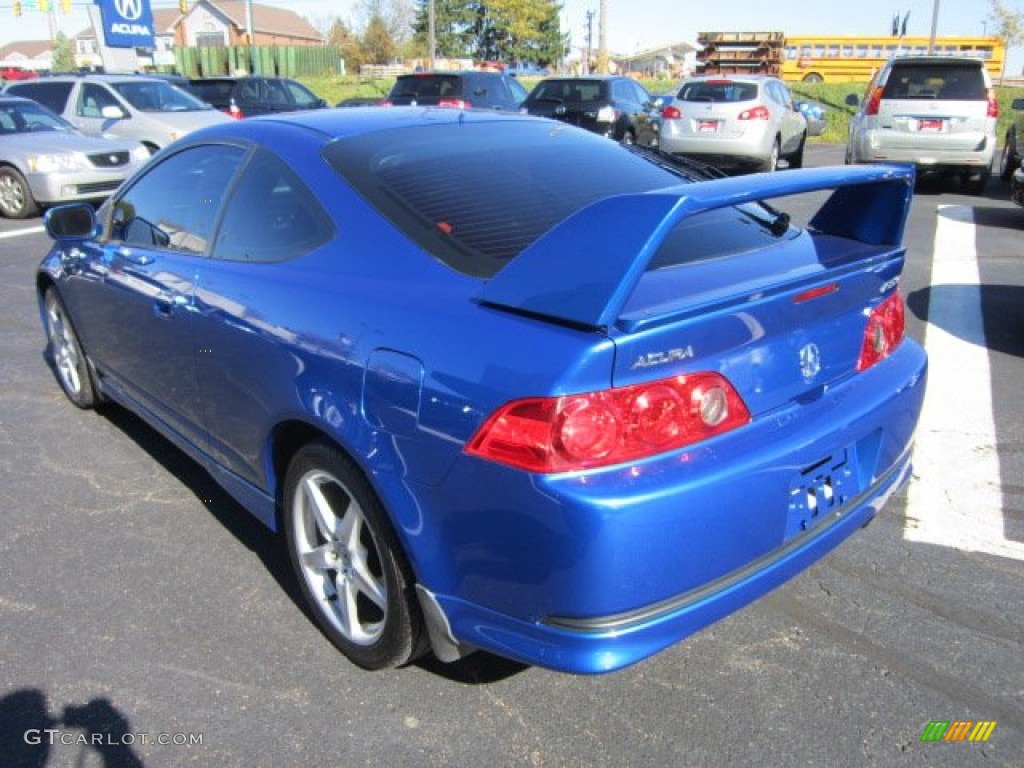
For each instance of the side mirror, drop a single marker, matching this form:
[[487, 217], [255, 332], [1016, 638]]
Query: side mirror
[[76, 221], [852, 100], [111, 112]]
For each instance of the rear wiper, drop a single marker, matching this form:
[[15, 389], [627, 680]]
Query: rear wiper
[[776, 222]]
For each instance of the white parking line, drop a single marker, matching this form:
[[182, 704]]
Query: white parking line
[[20, 232], [955, 499]]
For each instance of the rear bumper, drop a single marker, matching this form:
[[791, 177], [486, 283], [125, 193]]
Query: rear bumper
[[598, 644], [880, 146], [587, 573], [750, 149]]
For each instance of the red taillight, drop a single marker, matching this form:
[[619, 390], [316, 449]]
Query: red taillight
[[873, 102], [456, 103], [596, 429], [993, 104], [671, 113], [235, 112], [757, 113], [884, 332]]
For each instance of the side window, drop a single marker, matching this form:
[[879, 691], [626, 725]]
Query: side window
[[174, 205], [272, 216], [93, 98], [275, 93], [53, 96], [303, 96], [519, 92]]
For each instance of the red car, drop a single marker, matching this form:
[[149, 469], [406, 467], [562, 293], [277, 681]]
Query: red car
[[17, 73]]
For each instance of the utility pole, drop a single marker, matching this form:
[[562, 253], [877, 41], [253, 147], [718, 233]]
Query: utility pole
[[248, 25], [602, 39], [590, 41], [935, 24], [431, 36]]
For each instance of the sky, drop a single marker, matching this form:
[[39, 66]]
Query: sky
[[641, 24]]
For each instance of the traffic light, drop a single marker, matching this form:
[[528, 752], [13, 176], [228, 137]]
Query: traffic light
[[17, 7], [65, 6], [44, 6], [183, 6]]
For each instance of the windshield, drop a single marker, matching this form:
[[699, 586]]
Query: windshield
[[29, 117], [158, 96]]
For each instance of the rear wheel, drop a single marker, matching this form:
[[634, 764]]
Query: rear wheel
[[65, 352], [771, 163], [348, 561], [16, 201], [796, 160], [975, 183], [1011, 158]]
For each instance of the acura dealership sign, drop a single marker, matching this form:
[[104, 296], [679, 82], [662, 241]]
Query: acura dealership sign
[[127, 23]]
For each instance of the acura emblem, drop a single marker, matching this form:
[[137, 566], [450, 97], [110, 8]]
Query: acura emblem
[[810, 361], [560, 109], [129, 9]]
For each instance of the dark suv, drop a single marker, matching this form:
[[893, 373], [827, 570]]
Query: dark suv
[[254, 95], [614, 106], [465, 90]]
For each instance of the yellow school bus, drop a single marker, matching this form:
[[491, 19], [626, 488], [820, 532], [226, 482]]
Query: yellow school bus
[[854, 59]]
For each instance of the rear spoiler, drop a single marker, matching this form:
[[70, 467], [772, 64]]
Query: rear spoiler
[[583, 271]]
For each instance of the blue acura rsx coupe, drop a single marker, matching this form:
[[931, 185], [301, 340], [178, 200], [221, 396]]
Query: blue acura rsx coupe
[[501, 383]]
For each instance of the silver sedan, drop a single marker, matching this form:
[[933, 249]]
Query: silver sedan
[[44, 160]]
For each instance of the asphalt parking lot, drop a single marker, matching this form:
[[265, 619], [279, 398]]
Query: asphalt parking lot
[[146, 619]]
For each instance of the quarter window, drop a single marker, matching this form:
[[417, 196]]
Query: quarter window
[[175, 204], [272, 216]]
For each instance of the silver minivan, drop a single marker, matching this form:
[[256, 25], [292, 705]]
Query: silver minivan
[[149, 110], [937, 112]]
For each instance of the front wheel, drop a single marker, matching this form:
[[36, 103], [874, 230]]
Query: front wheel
[[66, 354], [16, 201], [348, 561]]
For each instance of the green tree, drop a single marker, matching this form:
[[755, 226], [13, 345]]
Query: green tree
[[496, 30], [348, 45], [378, 45], [63, 54]]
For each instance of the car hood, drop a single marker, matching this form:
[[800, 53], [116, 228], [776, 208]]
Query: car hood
[[42, 142]]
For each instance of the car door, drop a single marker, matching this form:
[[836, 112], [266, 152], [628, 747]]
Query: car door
[[249, 310], [792, 124], [136, 296]]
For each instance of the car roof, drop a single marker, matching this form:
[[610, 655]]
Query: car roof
[[106, 77], [356, 121], [940, 60]]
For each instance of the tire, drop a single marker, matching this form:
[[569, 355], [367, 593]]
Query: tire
[[348, 561], [16, 201], [1011, 159], [629, 138], [70, 364], [796, 160], [975, 183], [771, 163]]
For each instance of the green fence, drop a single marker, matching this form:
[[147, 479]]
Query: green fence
[[281, 61]]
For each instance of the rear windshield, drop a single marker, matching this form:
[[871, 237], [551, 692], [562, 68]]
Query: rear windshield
[[570, 91], [215, 92], [951, 82], [53, 95], [476, 194], [718, 91], [427, 87]]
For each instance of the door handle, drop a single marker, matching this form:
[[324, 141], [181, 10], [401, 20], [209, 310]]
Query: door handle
[[142, 259]]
